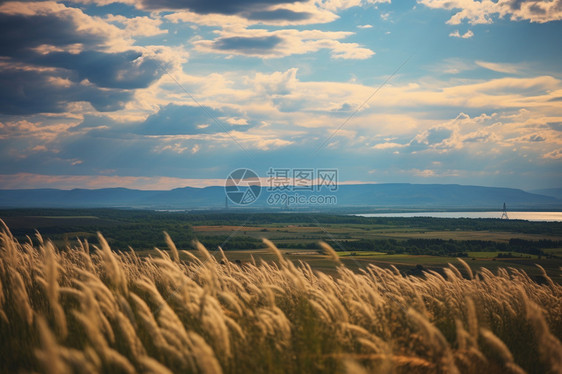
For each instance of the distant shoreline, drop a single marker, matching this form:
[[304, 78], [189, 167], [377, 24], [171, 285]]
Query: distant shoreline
[[541, 216]]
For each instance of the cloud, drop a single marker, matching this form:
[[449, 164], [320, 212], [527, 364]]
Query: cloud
[[433, 138], [388, 145], [554, 155], [432, 173], [483, 12], [289, 94], [54, 55], [124, 70], [281, 43], [467, 35], [498, 67], [138, 26], [346, 4], [279, 12], [188, 120], [27, 92], [212, 6], [247, 45], [306, 13], [277, 83], [278, 15]]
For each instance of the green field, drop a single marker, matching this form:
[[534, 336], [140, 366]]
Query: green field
[[411, 244]]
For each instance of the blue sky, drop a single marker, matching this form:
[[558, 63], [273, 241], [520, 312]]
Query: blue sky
[[161, 94]]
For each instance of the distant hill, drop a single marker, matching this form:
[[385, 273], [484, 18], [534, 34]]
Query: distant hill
[[360, 196], [552, 192]]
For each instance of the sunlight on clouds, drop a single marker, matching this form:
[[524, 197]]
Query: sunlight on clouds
[[346, 4], [388, 145], [280, 43], [467, 35], [554, 155], [40, 131], [499, 67], [114, 39], [482, 12], [138, 26], [126, 87], [431, 173]]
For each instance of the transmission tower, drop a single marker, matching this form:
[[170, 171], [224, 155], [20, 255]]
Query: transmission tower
[[504, 213]]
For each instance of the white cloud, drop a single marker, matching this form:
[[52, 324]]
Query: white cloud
[[388, 145], [467, 35], [498, 67]]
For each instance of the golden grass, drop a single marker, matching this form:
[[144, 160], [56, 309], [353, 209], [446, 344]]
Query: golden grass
[[93, 310]]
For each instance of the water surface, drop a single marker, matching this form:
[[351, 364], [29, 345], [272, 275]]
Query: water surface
[[529, 216]]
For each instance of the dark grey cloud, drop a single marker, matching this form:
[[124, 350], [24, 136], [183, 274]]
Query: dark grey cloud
[[126, 70], [34, 81], [537, 138], [246, 44], [278, 15], [171, 119], [555, 125], [214, 6], [256, 10], [29, 92], [516, 4], [19, 34], [187, 120], [536, 7]]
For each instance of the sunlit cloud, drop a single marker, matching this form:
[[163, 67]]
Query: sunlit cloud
[[280, 43], [483, 12], [145, 93], [467, 35], [499, 67]]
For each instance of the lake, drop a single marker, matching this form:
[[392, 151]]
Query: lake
[[529, 216]]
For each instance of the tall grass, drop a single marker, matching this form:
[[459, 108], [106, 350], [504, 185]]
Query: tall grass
[[85, 309]]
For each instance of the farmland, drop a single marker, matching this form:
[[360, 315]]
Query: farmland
[[410, 244]]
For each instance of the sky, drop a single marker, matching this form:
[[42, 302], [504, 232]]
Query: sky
[[159, 94]]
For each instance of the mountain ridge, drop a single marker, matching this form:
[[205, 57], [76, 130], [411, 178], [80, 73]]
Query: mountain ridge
[[399, 195]]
